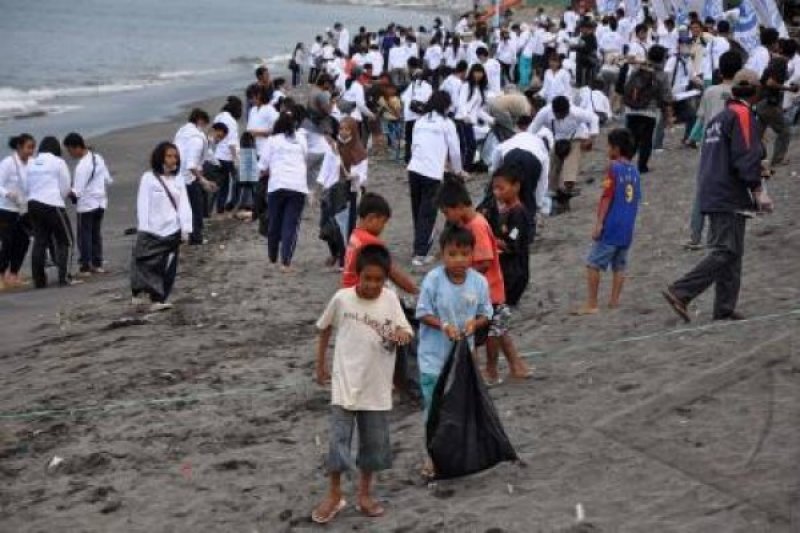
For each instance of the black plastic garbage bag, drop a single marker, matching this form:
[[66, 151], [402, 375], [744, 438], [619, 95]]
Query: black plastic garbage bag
[[464, 433], [406, 366]]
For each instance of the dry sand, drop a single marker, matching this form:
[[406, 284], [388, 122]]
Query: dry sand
[[205, 418]]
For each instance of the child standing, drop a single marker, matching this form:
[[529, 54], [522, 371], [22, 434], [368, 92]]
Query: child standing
[[369, 323], [248, 175], [374, 213], [456, 205], [512, 228], [616, 218], [454, 301]]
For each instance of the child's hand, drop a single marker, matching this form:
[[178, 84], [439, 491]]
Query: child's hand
[[402, 337], [323, 376], [451, 331], [598, 229], [469, 327]]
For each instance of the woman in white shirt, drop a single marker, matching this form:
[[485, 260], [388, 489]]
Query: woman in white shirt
[[47, 185], [14, 240], [89, 187], [227, 153], [470, 111], [262, 116], [435, 140], [434, 59], [454, 52], [414, 98], [284, 161], [507, 56], [355, 98], [557, 80], [164, 220]]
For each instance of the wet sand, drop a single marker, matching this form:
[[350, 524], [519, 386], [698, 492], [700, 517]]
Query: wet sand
[[205, 418]]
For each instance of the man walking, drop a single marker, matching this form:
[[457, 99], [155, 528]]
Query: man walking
[[730, 187]]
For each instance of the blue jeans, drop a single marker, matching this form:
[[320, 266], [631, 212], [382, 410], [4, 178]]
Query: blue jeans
[[227, 188]]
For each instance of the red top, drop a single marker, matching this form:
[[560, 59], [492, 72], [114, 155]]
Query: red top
[[486, 250], [358, 239]]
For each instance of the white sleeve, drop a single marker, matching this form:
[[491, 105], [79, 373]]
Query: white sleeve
[[538, 121], [453, 146], [82, 173], [361, 170], [542, 187], [101, 164], [64, 179], [361, 103], [588, 118], [265, 155], [184, 209], [143, 203], [194, 154], [4, 171]]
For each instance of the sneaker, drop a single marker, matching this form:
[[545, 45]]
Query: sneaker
[[160, 306], [99, 270], [694, 246], [421, 261], [70, 282]]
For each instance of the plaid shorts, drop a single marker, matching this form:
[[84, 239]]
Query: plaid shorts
[[498, 325], [374, 448]]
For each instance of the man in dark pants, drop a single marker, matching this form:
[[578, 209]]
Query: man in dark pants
[[729, 188]]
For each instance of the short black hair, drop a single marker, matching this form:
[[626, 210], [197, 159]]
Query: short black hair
[[260, 71], [18, 141], [285, 124], [198, 115], [622, 138], [456, 236], [453, 193], [374, 255], [560, 105], [730, 63], [657, 54], [462, 66], [374, 204], [220, 126], [74, 140], [769, 36], [159, 155], [50, 145], [508, 172], [723, 26], [233, 105]]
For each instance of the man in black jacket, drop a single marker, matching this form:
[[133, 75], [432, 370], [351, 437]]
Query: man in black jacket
[[730, 189]]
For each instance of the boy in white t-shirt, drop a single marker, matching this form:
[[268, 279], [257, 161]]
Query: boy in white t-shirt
[[369, 324]]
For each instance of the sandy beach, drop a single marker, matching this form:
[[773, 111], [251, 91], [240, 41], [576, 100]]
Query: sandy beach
[[205, 418]]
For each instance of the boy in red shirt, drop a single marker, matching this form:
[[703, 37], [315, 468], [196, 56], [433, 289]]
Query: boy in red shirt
[[456, 205], [373, 215]]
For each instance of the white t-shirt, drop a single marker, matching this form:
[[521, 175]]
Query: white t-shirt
[[91, 178], [571, 19], [155, 212], [285, 158], [434, 138], [556, 83], [12, 180], [230, 144], [48, 180], [758, 60], [262, 120], [192, 147], [398, 58], [364, 352]]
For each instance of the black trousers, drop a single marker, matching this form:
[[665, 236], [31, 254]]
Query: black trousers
[[423, 210], [721, 267], [285, 213], [409, 139], [468, 144], [642, 128], [50, 226], [14, 241], [507, 74], [197, 201], [90, 238]]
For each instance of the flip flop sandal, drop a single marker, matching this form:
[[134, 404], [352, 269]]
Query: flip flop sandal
[[325, 519], [678, 306], [375, 512]]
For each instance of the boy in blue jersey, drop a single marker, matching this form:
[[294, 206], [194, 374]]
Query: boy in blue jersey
[[616, 218]]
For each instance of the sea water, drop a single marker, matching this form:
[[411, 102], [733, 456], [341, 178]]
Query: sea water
[[97, 65]]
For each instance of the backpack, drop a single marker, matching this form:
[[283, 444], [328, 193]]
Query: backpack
[[641, 89]]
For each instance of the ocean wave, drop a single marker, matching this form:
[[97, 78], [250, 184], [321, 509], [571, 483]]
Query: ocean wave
[[24, 103]]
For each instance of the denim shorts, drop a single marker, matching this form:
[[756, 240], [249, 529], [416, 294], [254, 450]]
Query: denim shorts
[[374, 448], [603, 255]]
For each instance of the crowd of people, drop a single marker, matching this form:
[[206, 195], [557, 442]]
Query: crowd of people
[[524, 102]]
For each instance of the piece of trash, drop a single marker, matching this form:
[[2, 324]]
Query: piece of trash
[[213, 294], [510, 488], [221, 246], [186, 470], [317, 441], [55, 461], [580, 516]]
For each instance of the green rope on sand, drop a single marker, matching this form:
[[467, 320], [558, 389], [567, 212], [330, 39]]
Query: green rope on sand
[[193, 398]]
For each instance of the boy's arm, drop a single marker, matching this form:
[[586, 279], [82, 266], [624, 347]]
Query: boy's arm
[[475, 324], [400, 278], [451, 330], [322, 374], [605, 204]]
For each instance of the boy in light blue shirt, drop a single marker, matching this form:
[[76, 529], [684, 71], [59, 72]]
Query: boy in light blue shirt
[[454, 302]]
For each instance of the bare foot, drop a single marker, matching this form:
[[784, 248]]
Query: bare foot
[[286, 269], [369, 507], [428, 470], [491, 376], [521, 371], [585, 310], [328, 509]]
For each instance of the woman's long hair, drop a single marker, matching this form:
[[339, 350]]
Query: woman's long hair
[[482, 85]]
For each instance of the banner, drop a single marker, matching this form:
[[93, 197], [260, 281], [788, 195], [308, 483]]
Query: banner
[[746, 28], [769, 16]]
